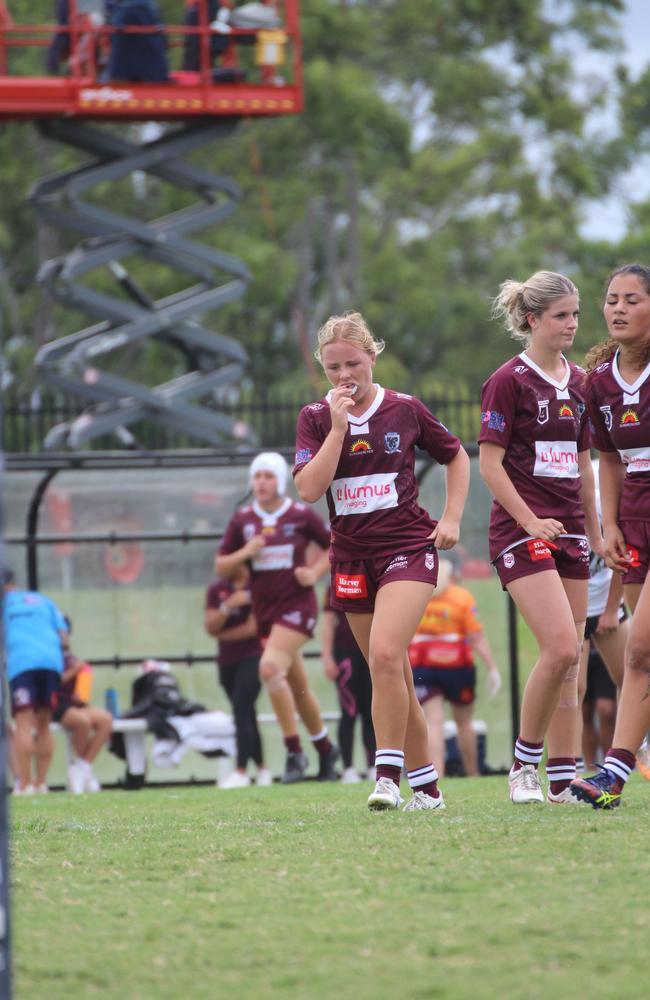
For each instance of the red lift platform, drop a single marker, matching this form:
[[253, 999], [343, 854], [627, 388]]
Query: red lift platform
[[273, 85]]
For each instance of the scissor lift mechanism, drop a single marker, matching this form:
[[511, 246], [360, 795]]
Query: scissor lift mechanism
[[73, 363]]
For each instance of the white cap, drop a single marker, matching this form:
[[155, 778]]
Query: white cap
[[271, 461]]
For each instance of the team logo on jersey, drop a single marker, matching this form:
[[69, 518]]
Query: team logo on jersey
[[508, 560], [249, 531], [520, 369], [581, 409], [288, 530], [391, 442], [350, 585], [304, 455], [542, 411], [495, 421], [629, 418], [268, 529], [361, 447], [429, 561], [607, 416], [565, 412]]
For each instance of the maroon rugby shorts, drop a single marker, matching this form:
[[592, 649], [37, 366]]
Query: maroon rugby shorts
[[355, 583], [568, 554]]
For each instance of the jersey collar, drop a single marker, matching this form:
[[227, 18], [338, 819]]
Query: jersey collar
[[547, 378], [363, 418], [628, 388], [270, 518]]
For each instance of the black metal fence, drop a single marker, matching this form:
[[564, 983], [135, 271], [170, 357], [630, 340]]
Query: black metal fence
[[272, 416]]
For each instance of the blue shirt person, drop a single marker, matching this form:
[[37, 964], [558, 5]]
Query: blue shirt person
[[35, 634]]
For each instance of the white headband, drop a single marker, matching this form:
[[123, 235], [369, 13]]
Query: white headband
[[271, 461]]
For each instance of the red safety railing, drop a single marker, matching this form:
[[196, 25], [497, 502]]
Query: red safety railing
[[258, 72]]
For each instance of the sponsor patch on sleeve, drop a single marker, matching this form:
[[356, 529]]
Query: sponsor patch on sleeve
[[495, 421], [303, 455], [350, 585]]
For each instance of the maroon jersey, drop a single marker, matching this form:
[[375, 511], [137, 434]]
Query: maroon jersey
[[620, 414], [542, 425], [232, 651], [287, 532], [373, 498]]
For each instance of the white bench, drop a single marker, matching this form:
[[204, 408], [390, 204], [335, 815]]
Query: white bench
[[135, 730]]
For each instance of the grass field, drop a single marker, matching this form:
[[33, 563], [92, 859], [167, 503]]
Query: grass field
[[300, 892]]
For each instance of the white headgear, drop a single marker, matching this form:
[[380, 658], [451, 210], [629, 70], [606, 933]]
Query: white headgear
[[270, 461]]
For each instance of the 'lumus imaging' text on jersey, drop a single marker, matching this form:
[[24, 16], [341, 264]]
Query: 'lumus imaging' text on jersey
[[287, 532], [620, 414], [373, 497], [543, 426]]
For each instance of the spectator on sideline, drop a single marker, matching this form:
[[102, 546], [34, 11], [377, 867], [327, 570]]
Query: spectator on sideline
[[442, 659], [345, 665], [357, 446], [618, 397], [534, 445], [230, 620], [89, 727], [35, 636], [271, 536]]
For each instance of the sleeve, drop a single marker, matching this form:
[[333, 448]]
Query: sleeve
[[471, 622], [598, 421], [308, 440], [58, 618], [317, 530], [232, 539], [498, 408], [434, 437], [216, 593]]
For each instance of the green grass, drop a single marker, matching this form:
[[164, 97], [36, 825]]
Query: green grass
[[138, 622], [301, 893]]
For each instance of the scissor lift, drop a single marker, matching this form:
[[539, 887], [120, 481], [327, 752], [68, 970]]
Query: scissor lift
[[68, 110]]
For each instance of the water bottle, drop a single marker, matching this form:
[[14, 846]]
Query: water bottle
[[112, 702]]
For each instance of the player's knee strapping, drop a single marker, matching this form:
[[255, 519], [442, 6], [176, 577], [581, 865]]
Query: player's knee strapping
[[569, 690], [274, 667]]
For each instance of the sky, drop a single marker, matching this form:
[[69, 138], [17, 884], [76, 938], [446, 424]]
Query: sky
[[607, 218]]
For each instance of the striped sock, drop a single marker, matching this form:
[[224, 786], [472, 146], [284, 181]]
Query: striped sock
[[560, 772], [424, 779], [389, 764], [527, 753], [619, 762]]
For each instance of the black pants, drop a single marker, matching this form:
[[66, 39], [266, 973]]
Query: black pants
[[241, 682], [355, 698]]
